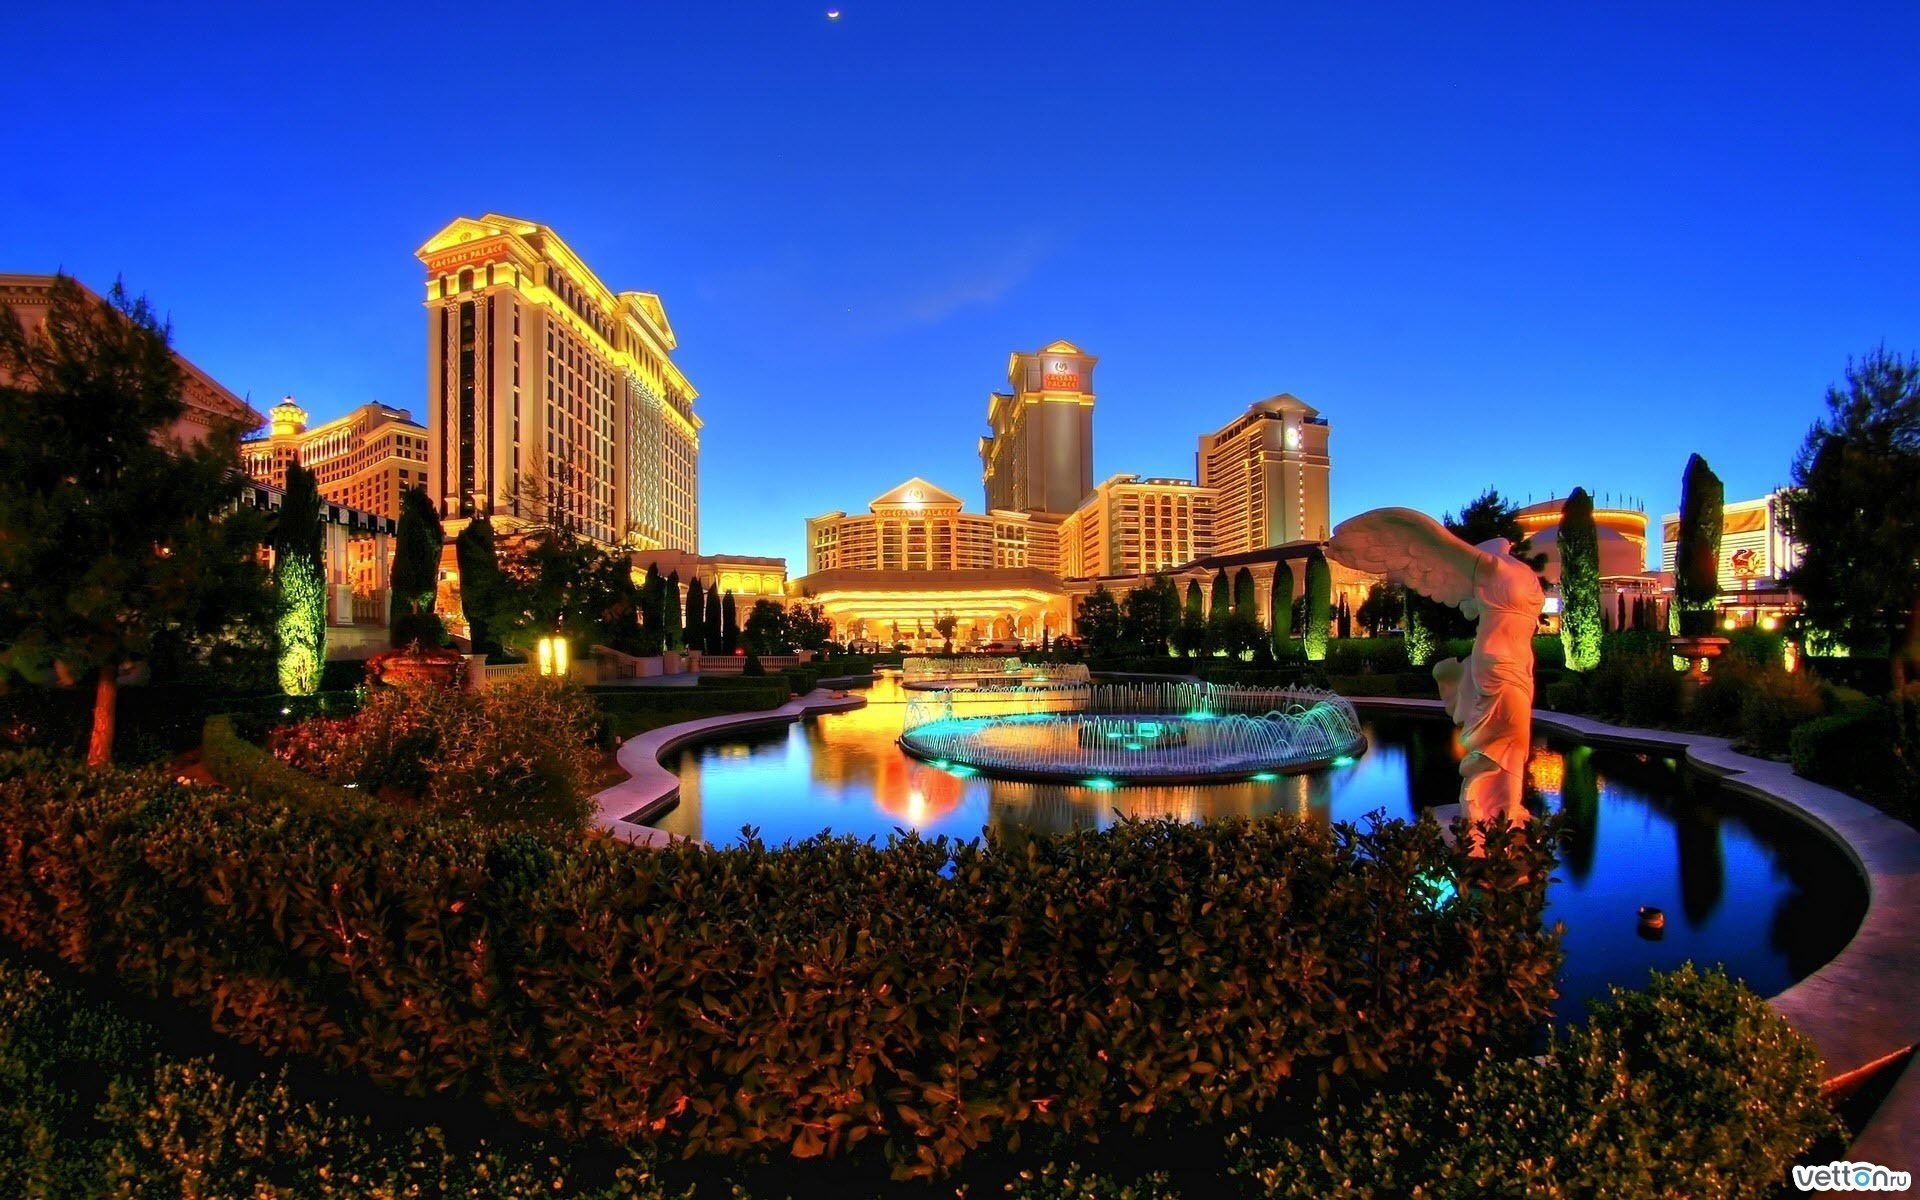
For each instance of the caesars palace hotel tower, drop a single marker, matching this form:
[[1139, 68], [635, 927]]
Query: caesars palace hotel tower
[[550, 397], [1039, 456]]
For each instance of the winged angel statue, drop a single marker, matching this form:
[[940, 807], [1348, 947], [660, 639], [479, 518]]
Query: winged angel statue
[[1490, 694]]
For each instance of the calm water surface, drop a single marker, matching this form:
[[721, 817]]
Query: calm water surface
[[1741, 884]]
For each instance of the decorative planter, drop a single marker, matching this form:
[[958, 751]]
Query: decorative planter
[[1698, 651], [417, 664]]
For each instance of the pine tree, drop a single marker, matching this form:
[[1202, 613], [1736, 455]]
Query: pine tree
[[300, 591], [112, 540]]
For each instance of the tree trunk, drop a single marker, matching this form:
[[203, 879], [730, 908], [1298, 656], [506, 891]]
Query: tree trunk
[[106, 696]]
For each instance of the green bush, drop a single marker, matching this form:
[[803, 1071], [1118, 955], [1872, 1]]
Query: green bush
[[90, 1107], [1773, 703], [1366, 656], [929, 996], [1694, 1088], [628, 711], [1858, 750], [521, 751], [240, 765], [1075, 1182]]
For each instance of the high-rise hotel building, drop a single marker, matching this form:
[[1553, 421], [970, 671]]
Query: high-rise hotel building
[[1039, 455], [363, 460], [551, 398], [1269, 468], [1132, 526]]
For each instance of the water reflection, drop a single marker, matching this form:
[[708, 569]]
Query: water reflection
[[1753, 889]]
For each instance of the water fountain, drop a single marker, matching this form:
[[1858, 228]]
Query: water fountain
[[1105, 734]]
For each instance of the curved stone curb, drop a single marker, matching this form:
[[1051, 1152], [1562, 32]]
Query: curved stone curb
[[1859, 1009], [650, 789]]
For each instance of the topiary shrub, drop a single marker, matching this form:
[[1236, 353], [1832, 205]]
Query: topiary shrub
[[1693, 1087]]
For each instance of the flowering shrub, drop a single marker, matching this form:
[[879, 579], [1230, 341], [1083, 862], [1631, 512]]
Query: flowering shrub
[[521, 751], [1693, 1087], [929, 997]]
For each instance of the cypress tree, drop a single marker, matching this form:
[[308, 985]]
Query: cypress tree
[[1243, 595], [652, 629], [483, 586], [416, 573], [711, 635], [299, 580], [1319, 606], [674, 637], [696, 623], [729, 625], [1696, 571], [1281, 608], [1580, 623], [1196, 604], [1419, 634], [1222, 600], [1344, 621]]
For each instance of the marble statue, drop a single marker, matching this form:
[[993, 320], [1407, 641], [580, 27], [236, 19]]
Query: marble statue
[[1489, 695]]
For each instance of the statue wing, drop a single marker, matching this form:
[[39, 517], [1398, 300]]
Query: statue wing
[[1408, 548]]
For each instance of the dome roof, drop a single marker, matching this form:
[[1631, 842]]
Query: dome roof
[[1618, 556]]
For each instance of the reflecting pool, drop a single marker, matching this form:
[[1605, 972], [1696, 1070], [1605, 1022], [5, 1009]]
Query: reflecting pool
[[1741, 884]]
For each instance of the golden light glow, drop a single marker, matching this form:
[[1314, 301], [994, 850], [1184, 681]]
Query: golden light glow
[[552, 653]]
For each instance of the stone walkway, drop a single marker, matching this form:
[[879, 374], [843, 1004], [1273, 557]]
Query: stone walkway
[[651, 789], [1862, 1010]]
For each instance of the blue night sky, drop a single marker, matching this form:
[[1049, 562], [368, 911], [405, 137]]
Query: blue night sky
[[1549, 246]]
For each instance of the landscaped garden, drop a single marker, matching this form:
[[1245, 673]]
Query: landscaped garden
[[318, 938]]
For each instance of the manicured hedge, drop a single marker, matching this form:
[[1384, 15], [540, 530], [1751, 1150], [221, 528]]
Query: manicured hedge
[[91, 1106], [1693, 1088], [634, 710], [931, 996], [1858, 750], [243, 766]]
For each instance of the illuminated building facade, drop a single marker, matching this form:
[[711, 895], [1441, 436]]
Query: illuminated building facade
[[1135, 526], [363, 460], [1038, 456], [1270, 472], [1620, 532], [551, 398], [208, 404], [889, 574], [1755, 556]]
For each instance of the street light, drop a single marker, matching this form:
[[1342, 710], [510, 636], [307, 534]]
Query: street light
[[553, 656]]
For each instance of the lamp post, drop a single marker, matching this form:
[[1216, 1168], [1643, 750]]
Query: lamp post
[[552, 656]]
